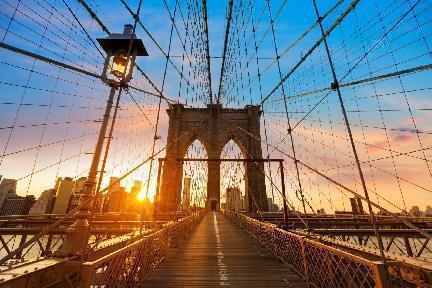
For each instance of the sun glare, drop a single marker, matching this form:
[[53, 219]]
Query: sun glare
[[141, 196]]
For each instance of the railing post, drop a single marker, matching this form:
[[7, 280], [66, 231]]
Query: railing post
[[381, 275], [305, 266], [86, 276], [284, 200]]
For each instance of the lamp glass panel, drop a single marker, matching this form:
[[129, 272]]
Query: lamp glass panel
[[120, 66]]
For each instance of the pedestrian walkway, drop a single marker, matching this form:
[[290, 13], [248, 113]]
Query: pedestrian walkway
[[219, 253]]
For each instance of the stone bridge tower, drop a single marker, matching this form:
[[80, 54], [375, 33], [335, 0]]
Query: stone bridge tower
[[213, 126]]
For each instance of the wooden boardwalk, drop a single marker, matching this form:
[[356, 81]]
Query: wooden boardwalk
[[219, 253]]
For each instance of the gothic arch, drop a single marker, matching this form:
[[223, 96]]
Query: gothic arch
[[237, 141], [197, 172], [230, 172], [213, 126], [189, 140]]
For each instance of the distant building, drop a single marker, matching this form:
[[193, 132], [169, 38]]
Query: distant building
[[44, 204], [64, 193], [136, 188], [132, 203], [77, 192], [118, 202], [428, 211], [74, 201], [186, 193], [98, 206], [117, 196], [415, 211], [57, 184], [320, 211], [272, 206], [79, 185], [17, 205], [233, 199], [356, 206], [7, 188]]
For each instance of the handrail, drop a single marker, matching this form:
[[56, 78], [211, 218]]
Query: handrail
[[323, 265], [128, 266], [125, 267]]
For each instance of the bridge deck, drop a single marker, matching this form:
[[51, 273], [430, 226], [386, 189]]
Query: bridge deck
[[218, 253]]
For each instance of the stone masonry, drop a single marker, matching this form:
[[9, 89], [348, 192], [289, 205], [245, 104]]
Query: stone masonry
[[214, 127]]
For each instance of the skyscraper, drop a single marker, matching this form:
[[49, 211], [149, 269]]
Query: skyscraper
[[415, 211], [44, 204], [186, 193], [117, 196], [356, 206], [77, 192], [132, 204], [64, 192], [7, 188], [233, 200], [428, 211], [17, 205], [136, 188]]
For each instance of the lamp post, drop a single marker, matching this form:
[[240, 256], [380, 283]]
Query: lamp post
[[121, 51]]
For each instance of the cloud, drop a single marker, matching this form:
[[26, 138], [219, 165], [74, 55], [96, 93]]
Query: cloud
[[395, 139]]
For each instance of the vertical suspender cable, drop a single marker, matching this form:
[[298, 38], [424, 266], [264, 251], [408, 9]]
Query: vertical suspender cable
[[229, 17], [207, 50], [288, 118], [336, 87]]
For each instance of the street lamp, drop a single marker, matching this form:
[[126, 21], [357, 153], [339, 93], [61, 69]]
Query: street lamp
[[120, 61], [121, 50]]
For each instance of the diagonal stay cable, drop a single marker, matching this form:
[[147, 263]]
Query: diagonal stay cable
[[298, 40], [402, 220], [57, 223], [72, 68], [361, 59], [335, 24], [413, 70], [225, 46], [104, 28], [299, 215], [207, 50], [157, 45]]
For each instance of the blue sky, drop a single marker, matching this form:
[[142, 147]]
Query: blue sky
[[390, 120]]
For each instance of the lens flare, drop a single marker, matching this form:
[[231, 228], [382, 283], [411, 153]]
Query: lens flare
[[141, 197]]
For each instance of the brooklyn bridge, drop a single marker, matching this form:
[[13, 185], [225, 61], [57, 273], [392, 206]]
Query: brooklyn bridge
[[198, 143]]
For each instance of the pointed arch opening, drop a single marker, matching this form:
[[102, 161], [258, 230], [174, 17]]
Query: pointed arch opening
[[195, 177], [233, 180]]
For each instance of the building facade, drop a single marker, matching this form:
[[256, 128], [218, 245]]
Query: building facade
[[64, 193], [44, 204], [7, 189], [17, 205], [233, 199]]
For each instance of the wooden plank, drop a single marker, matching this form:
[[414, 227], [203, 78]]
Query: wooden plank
[[218, 253]]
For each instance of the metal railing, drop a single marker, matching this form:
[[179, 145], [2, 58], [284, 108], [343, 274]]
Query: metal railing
[[398, 239], [321, 265], [125, 267]]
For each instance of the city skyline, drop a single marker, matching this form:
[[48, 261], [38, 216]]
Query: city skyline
[[52, 129], [194, 143], [229, 202]]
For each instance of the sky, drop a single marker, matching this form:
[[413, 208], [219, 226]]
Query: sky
[[49, 115]]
